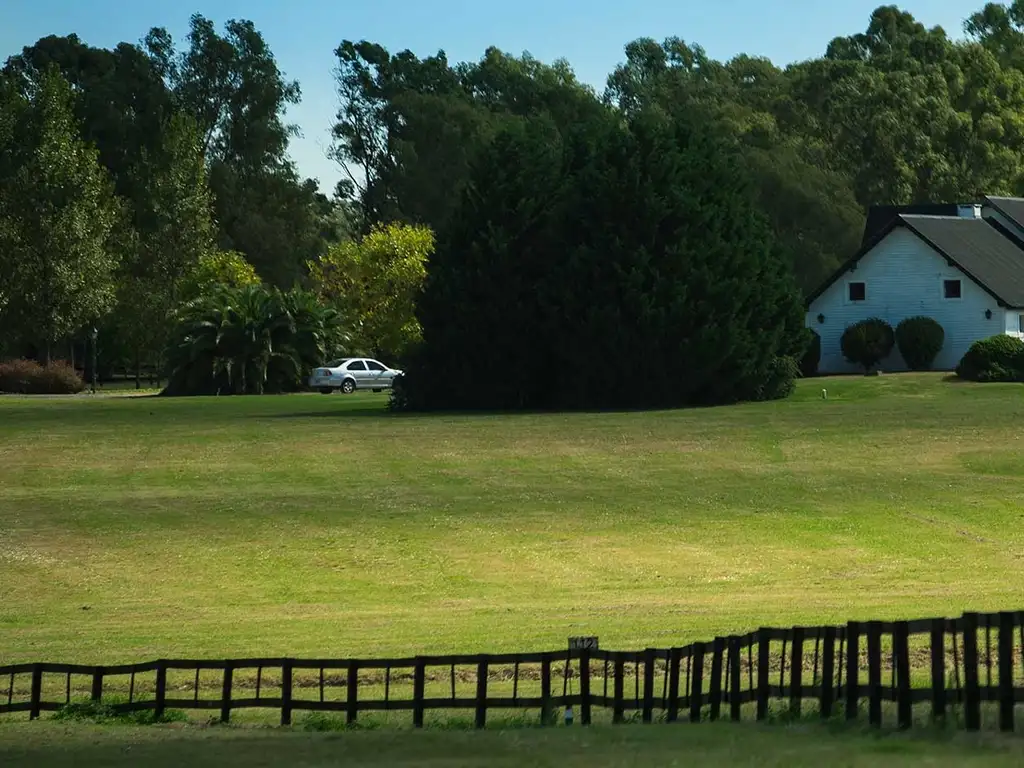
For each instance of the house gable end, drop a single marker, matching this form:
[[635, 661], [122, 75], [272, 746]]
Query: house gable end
[[904, 276], [851, 263]]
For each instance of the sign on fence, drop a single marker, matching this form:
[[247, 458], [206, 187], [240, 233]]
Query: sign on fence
[[583, 643]]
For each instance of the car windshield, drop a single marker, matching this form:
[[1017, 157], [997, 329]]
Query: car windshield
[[337, 363]]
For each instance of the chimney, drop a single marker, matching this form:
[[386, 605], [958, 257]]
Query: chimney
[[969, 211]]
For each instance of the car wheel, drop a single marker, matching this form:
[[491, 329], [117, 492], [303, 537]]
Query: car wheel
[[325, 390], [348, 386]]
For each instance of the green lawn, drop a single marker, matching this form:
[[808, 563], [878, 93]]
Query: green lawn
[[40, 744], [139, 527]]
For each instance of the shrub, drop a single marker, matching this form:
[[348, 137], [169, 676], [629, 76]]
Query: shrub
[[868, 342], [27, 377], [997, 358], [812, 356], [781, 380], [920, 340], [59, 378], [17, 376]]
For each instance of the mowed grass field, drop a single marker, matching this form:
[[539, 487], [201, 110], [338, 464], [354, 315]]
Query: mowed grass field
[[140, 527], [28, 745]]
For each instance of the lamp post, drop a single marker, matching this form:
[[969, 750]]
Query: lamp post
[[93, 333]]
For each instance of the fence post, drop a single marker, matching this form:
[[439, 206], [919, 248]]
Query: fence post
[[796, 671], [352, 692], [938, 669], [648, 705], [419, 684], [225, 697], [764, 649], [697, 684], [286, 692], [673, 685], [618, 711], [1006, 695], [37, 692], [481, 692], [875, 673], [852, 670], [585, 686], [901, 658], [972, 693], [715, 683], [161, 689], [545, 689], [97, 684], [734, 679], [828, 671]]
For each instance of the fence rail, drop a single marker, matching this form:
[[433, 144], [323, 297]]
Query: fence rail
[[948, 664]]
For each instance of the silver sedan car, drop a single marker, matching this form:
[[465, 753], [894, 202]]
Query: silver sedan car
[[351, 373]]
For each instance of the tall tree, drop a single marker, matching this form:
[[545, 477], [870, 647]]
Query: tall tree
[[58, 213], [120, 100], [913, 116], [817, 220], [175, 230], [408, 129], [597, 242], [374, 281], [232, 87]]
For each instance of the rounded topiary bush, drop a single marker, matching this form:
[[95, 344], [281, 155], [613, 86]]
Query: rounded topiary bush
[[920, 340], [812, 355], [868, 342], [997, 358]]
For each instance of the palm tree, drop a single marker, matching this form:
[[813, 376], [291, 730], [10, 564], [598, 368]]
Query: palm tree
[[250, 340]]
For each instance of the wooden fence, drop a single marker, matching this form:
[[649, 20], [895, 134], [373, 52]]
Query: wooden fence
[[945, 668]]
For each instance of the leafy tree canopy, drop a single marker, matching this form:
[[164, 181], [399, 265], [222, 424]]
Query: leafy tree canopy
[[375, 281]]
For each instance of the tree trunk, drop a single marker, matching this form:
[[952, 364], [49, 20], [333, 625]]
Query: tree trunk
[[71, 347], [138, 358]]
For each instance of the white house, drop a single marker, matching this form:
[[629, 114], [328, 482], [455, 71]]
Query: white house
[[964, 269]]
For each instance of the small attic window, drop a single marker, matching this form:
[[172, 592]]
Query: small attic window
[[951, 289], [857, 291]]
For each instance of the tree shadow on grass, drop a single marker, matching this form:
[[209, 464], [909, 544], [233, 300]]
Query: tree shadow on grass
[[385, 413]]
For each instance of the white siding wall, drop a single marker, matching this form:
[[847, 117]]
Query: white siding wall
[[904, 277], [1013, 322]]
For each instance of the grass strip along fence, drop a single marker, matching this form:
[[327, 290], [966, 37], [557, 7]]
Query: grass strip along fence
[[942, 666]]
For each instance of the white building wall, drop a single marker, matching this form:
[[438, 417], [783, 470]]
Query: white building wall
[[1014, 322], [904, 277]]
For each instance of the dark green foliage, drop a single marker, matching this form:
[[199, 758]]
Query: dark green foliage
[[780, 383], [997, 358], [812, 355], [868, 342], [606, 265], [250, 340], [27, 377], [920, 340]]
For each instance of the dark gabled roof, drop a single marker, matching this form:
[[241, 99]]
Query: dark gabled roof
[[881, 216], [1011, 207], [979, 249]]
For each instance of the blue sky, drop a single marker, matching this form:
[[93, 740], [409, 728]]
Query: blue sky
[[591, 34]]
